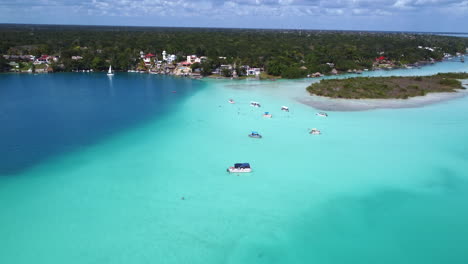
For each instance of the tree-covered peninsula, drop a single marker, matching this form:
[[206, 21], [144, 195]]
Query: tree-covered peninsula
[[285, 53], [387, 87]]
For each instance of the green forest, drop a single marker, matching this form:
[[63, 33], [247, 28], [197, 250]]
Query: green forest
[[286, 53], [387, 87]]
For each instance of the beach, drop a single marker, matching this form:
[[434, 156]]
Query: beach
[[336, 104], [296, 89]]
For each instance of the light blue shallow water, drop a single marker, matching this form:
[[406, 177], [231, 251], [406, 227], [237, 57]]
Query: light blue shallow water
[[381, 186]]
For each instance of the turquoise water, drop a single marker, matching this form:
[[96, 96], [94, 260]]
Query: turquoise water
[[380, 186]]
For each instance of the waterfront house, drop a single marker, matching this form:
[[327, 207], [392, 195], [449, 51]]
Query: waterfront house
[[254, 71], [169, 58], [193, 59], [44, 59], [148, 59]]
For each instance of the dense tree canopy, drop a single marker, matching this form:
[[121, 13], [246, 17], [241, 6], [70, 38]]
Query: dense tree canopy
[[280, 52]]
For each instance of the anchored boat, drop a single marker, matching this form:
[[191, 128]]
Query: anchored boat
[[110, 72], [231, 101], [255, 135], [255, 104], [322, 114], [239, 168], [315, 131], [285, 108], [267, 115]]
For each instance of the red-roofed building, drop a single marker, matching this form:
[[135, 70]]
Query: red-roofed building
[[185, 63], [381, 58], [147, 59], [44, 59]]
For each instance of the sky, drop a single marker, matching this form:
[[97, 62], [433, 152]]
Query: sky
[[391, 15]]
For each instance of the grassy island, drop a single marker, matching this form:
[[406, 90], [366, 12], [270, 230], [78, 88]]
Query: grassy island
[[387, 87]]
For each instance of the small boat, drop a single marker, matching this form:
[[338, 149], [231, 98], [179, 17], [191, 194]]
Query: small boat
[[285, 108], [267, 115], [315, 131], [255, 135], [231, 101], [255, 104], [110, 72], [323, 114], [239, 168]]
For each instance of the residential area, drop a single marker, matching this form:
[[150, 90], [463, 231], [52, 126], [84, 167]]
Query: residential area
[[167, 64]]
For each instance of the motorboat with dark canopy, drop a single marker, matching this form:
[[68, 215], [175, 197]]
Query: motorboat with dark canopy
[[239, 168]]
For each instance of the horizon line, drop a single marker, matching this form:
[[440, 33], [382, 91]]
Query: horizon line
[[185, 27]]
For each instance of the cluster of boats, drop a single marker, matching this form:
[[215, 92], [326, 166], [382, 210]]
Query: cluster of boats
[[245, 167]]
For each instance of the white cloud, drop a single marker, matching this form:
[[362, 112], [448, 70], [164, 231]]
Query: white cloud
[[233, 11]]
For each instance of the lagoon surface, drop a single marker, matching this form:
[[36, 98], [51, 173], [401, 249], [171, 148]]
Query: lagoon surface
[[93, 170]]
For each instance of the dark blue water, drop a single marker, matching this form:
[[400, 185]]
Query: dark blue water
[[46, 115]]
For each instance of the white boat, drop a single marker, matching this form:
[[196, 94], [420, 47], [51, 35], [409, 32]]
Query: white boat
[[315, 131], [255, 104], [255, 135], [239, 168], [323, 114], [231, 101], [267, 115], [285, 108], [110, 72]]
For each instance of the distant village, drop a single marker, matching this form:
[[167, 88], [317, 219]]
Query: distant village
[[167, 64], [191, 65]]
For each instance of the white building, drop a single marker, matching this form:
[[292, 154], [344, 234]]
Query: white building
[[193, 59], [253, 71], [169, 58], [148, 58], [44, 59]]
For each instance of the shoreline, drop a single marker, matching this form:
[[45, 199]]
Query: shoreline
[[351, 105]]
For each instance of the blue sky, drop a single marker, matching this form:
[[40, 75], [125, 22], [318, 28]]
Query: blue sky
[[398, 15]]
